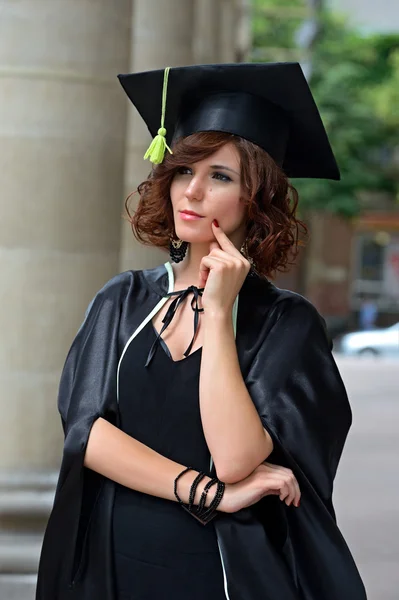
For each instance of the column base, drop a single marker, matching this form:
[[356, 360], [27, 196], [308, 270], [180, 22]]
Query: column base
[[25, 503], [18, 587]]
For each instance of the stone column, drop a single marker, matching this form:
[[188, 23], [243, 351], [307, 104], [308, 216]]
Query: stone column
[[229, 12], [162, 35], [207, 21], [62, 136], [244, 30]]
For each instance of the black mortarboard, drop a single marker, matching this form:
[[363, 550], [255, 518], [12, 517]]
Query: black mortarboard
[[269, 104]]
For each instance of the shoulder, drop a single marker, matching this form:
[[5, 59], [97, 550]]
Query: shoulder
[[300, 318], [156, 279], [115, 290], [117, 285], [276, 301], [288, 302], [293, 315]]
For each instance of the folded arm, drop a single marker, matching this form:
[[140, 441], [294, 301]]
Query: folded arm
[[125, 460], [233, 429]]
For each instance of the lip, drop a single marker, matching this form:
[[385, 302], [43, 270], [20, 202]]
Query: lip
[[189, 215], [190, 212]]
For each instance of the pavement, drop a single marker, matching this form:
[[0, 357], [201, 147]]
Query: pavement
[[366, 496]]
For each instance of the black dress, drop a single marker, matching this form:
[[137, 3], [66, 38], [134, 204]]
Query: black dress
[[161, 552], [291, 377]]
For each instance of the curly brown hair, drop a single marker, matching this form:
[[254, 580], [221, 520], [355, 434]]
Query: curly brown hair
[[272, 227]]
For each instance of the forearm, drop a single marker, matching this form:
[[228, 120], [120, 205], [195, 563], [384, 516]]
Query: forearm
[[125, 460], [232, 427]]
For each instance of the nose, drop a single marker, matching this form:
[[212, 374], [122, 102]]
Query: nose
[[195, 190]]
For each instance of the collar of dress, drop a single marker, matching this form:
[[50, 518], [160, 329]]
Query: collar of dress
[[162, 280]]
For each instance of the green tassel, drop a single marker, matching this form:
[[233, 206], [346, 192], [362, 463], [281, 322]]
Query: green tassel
[[158, 146]]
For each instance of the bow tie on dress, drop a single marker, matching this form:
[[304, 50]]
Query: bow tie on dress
[[180, 297]]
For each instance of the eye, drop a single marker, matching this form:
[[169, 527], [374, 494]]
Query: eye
[[184, 171], [221, 176]]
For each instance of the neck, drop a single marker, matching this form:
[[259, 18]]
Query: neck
[[187, 272]]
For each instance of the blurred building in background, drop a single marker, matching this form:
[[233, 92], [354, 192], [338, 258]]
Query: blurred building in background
[[71, 150], [352, 64], [374, 237]]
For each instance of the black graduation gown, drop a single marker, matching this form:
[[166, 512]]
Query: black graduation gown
[[286, 363]]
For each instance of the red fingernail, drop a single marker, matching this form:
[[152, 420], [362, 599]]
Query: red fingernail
[[216, 224]]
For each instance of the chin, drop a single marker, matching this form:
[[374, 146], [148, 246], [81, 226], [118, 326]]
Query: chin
[[193, 237]]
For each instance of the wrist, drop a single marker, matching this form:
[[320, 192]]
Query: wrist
[[218, 314], [185, 484], [217, 322], [225, 505], [200, 489]]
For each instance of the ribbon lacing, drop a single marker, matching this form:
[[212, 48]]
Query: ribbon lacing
[[180, 297]]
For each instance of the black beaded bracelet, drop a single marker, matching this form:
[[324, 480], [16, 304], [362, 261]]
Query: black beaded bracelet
[[211, 510], [201, 504], [180, 501], [209, 513], [193, 489], [203, 516]]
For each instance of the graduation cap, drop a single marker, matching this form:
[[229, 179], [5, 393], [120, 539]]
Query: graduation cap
[[269, 104]]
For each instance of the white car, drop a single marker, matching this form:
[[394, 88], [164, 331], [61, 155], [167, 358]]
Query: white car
[[372, 343]]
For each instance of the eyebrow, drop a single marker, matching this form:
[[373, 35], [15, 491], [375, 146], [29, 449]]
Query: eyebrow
[[225, 168]]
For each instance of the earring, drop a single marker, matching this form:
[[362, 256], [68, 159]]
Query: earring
[[244, 249], [244, 252], [177, 250]]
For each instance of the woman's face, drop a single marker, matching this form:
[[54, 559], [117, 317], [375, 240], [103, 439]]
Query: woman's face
[[211, 188]]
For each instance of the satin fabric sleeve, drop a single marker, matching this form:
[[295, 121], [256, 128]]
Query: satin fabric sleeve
[[87, 388], [87, 391], [301, 399], [299, 394]]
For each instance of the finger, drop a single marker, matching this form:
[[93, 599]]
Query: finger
[[278, 487], [275, 486], [273, 477], [297, 493], [213, 262], [214, 246], [207, 264], [294, 486], [291, 484], [287, 491], [278, 469], [291, 492], [225, 256], [202, 279], [224, 242]]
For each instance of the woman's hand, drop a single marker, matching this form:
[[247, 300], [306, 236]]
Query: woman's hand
[[222, 273], [265, 480]]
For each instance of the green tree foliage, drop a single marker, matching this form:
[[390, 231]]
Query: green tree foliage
[[355, 81]]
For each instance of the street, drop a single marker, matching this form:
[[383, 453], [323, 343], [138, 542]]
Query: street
[[367, 484]]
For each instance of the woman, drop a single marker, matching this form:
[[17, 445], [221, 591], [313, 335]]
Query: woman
[[199, 385]]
